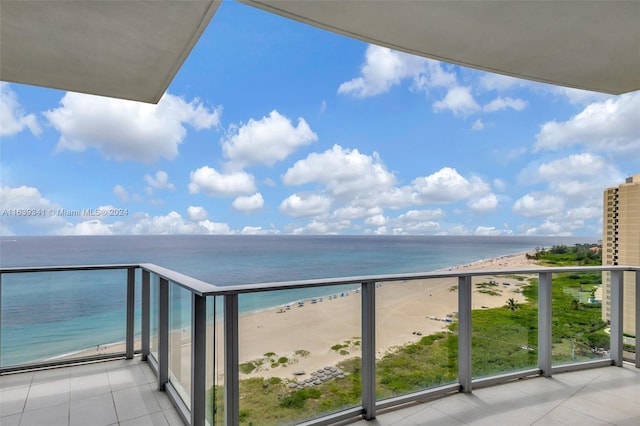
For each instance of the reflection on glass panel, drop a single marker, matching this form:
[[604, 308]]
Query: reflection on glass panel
[[137, 332], [629, 316], [215, 361], [504, 323], [154, 312], [301, 359], [416, 335], [180, 340], [62, 315], [578, 330]]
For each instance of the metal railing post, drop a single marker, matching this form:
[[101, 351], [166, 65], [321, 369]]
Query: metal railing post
[[198, 359], [617, 299], [145, 315], [163, 334], [544, 323], [369, 350], [464, 333], [637, 329], [1, 319], [231, 362], [131, 304]]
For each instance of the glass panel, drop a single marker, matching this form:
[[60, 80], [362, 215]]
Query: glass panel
[[154, 312], [504, 323], [180, 341], [215, 361], [578, 330], [417, 345], [629, 316], [137, 333], [301, 359], [62, 315]]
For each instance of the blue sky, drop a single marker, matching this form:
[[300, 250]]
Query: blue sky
[[275, 127]]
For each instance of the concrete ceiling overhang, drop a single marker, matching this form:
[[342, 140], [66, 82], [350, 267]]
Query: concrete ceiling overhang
[[585, 44], [123, 49], [132, 49]]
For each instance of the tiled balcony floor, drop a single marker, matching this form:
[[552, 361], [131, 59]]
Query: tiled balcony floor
[[601, 396], [123, 393]]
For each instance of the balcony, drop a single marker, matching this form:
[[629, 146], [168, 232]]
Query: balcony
[[188, 355]]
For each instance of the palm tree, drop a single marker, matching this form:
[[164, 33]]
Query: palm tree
[[512, 304]]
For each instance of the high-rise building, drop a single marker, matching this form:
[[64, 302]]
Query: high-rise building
[[621, 244]]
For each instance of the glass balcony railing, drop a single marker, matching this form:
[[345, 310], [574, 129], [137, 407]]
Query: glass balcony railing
[[316, 351]]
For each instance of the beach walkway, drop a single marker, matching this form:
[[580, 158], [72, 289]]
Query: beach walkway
[[123, 393]]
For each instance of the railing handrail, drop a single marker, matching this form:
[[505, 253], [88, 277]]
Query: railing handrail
[[64, 268], [321, 282], [203, 288]]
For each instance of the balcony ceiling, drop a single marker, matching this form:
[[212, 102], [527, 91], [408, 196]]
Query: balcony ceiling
[[127, 49], [132, 49], [592, 45]]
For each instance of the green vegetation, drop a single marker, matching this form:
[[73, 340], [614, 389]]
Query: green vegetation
[[580, 254], [346, 347], [504, 339], [272, 360]]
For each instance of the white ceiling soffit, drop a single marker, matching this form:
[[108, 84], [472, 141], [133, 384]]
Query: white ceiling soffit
[[127, 49], [592, 45]]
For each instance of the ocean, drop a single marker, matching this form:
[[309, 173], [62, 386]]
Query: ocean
[[45, 315]]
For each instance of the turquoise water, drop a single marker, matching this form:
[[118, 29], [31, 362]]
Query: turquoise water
[[49, 314]]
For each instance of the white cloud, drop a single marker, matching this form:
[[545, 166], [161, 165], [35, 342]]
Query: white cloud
[[266, 141], [435, 76], [27, 211], [159, 181], [549, 228], [584, 213], [539, 205], [421, 215], [459, 101], [13, 119], [249, 204], [258, 230], [501, 103], [611, 126], [344, 172], [215, 227], [316, 227], [575, 165], [383, 69], [306, 205], [352, 212], [581, 178], [492, 230], [377, 220], [197, 213], [447, 185], [87, 227], [415, 222], [174, 223], [499, 184], [477, 125], [484, 204], [209, 181], [128, 130], [120, 192]]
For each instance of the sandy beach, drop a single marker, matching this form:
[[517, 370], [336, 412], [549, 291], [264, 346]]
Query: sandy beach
[[406, 311], [323, 332]]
